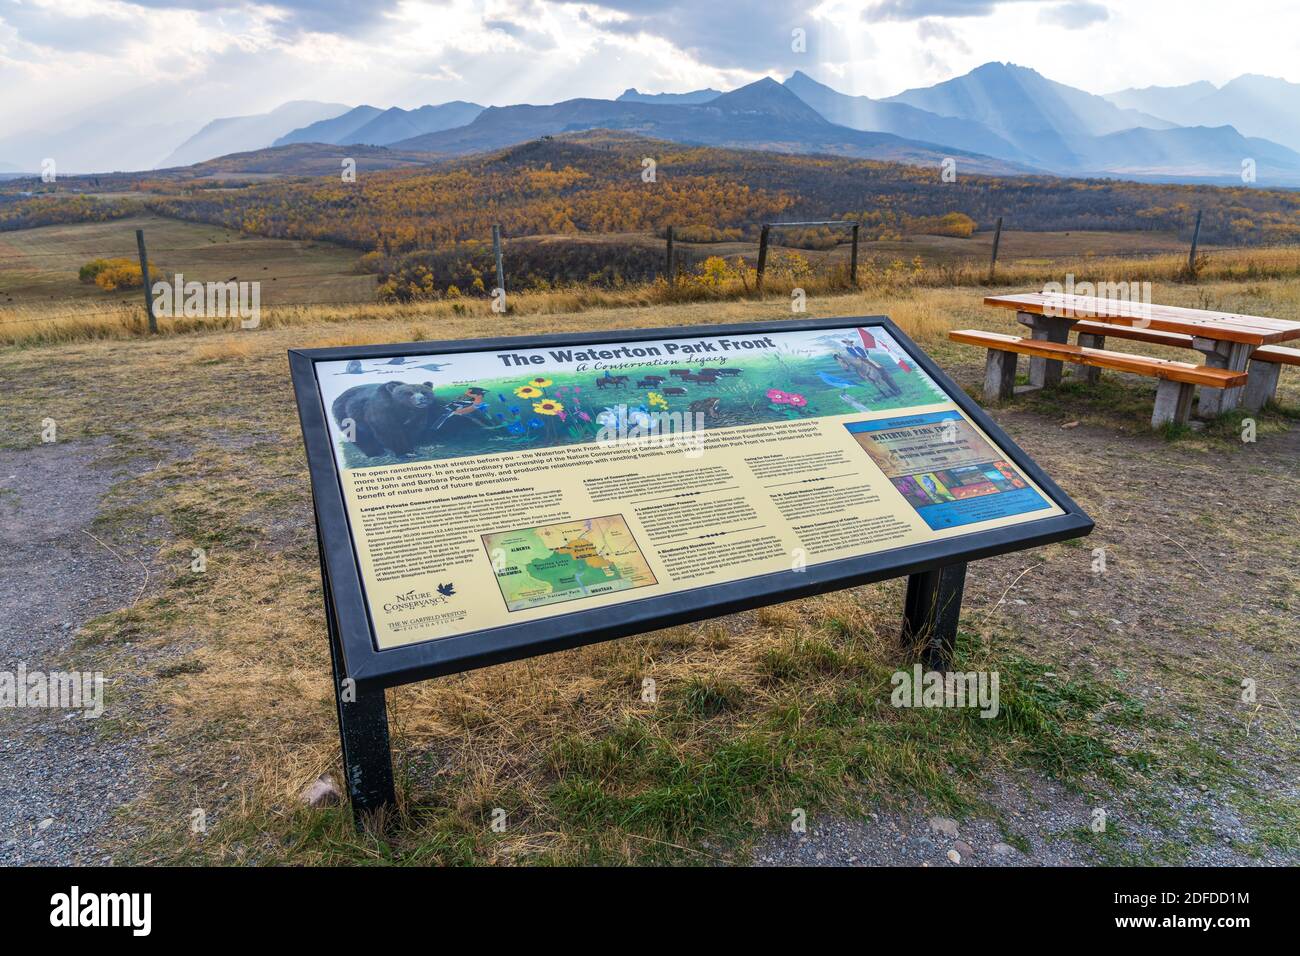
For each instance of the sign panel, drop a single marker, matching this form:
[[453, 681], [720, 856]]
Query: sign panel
[[540, 487]]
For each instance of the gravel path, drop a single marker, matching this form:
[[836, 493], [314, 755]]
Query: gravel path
[[1031, 823], [61, 775]]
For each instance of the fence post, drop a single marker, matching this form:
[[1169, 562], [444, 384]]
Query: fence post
[[496, 252], [1191, 256], [853, 259], [762, 256], [144, 275], [997, 240], [672, 270]]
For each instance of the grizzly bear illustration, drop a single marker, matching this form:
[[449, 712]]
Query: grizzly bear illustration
[[389, 419]]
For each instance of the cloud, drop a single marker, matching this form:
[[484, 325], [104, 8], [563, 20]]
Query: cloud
[[342, 17], [936, 31], [1075, 15], [919, 9], [752, 35]]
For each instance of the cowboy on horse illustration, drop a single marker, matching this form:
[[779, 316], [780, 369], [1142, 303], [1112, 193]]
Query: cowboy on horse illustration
[[860, 363]]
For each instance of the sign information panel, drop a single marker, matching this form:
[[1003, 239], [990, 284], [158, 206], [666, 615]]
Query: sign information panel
[[512, 485]]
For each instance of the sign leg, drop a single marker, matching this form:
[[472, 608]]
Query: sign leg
[[363, 728], [931, 611], [367, 757]]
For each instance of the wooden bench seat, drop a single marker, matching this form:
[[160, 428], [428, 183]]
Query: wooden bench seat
[[1177, 380], [1265, 353], [1278, 354], [1153, 336], [1260, 387]]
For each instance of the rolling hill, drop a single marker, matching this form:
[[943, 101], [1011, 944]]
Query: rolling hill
[[588, 183], [291, 161]]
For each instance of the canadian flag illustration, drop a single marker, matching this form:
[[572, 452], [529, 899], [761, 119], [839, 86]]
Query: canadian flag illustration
[[869, 342]]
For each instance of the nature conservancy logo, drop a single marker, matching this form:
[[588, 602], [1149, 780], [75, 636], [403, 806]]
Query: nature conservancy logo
[[415, 600]]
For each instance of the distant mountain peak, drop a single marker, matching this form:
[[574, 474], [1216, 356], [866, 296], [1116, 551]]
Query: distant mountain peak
[[768, 96], [694, 97]]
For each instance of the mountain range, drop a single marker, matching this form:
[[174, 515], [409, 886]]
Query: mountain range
[[370, 126], [1013, 113], [237, 134], [762, 115], [1255, 105], [999, 118]]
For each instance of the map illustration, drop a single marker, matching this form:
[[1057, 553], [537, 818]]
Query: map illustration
[[561, 562]]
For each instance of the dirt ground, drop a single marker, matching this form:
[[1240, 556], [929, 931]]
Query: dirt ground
[[218, 691]]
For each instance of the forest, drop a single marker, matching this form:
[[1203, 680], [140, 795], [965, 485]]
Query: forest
[[424, 229]]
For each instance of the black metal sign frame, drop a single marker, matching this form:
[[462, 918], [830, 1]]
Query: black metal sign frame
[[935, 569]]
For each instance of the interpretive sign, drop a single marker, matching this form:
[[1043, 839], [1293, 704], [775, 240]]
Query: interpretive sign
[[482, 501]]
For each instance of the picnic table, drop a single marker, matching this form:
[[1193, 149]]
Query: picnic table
[[1242, 354]]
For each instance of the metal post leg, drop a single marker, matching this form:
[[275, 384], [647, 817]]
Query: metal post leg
[[363, 728], [931, 612]]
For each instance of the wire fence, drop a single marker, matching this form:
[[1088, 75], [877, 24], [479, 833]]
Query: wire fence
[[126, 309]]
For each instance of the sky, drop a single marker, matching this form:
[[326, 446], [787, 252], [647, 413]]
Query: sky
[[64, 62]]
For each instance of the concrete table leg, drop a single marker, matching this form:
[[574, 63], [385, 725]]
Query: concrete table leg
[[1219, 354], [999, 375], [1262, 384], [1090, 373], [1173, 402], [1049, 328]]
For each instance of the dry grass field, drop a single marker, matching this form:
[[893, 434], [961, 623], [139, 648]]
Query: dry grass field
[[1120, 690], [38, 267]]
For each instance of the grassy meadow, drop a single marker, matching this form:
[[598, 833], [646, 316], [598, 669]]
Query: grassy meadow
[[42, 301], [38, 267], [1121, 688]]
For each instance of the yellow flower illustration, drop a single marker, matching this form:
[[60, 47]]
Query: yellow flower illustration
[[540, 382], [656, 399], [548, 407], [527, 391]]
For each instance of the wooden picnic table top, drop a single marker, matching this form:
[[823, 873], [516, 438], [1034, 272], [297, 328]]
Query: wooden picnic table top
[[1219, 326]]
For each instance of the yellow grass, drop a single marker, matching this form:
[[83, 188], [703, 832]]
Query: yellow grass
[[27, 326]]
